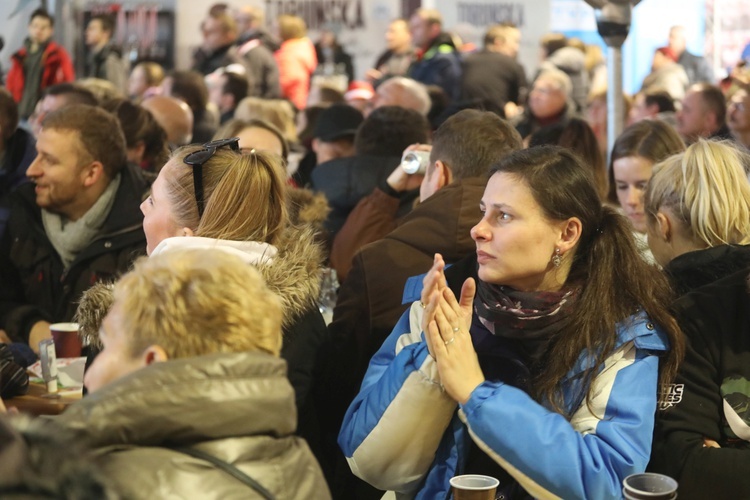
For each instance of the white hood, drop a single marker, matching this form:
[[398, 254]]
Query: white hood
[[252, 252]]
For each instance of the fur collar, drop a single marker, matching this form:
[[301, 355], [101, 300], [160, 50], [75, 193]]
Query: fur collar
[[295, 274], [292, 269]]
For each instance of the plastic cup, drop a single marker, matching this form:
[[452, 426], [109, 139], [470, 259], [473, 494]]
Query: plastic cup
[[649, 486], [474, 487], [67, 343]]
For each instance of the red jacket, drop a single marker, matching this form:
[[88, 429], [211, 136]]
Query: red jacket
[[56, 64], [296, 60]]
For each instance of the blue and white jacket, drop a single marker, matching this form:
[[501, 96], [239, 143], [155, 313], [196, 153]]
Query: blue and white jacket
[[404, 433]]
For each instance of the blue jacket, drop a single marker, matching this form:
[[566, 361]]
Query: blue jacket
[[404, 433], [440, 65]]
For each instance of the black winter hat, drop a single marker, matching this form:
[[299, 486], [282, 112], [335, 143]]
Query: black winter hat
[[338, 121]]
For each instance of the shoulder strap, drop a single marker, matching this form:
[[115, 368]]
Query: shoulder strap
[[229, 469]]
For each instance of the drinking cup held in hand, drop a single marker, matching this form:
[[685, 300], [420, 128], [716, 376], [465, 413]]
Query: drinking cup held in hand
[[67, 343], [649, 486], [474, 487], [415, 162]]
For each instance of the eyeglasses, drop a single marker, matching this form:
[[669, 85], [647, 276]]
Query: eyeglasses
[[200, 157]]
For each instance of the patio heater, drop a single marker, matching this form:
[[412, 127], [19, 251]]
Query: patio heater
[[613, 23]]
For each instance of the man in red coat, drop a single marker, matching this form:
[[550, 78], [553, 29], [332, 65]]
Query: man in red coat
[[39, 64]]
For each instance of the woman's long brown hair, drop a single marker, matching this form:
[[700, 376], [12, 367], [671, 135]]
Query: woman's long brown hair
[[615, 281]]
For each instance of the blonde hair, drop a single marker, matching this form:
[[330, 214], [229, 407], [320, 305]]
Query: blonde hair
[[234, 126], [291, 27], [93, 306], [154, 72], [432, 16], [245, 195], [197, 302], [707, 188], [499, 32], [103, 90], [277, 112]]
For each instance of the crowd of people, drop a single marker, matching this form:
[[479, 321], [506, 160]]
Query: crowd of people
[[519, 302]]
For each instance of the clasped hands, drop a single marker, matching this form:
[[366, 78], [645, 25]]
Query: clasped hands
[[446, 323]]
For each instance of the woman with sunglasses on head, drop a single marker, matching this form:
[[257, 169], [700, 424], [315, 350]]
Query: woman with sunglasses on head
[[212, 196], [544, 372]]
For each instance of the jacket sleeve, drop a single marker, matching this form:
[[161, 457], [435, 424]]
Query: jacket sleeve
[[696, 412], [17, 316], [66, 72], [395, 424], [14, 80], [117, 72], [372, 218], [586, 457]]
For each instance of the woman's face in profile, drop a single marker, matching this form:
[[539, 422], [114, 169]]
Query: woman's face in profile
[[632, 174], [137, 84], [515, 241], [158, 220]]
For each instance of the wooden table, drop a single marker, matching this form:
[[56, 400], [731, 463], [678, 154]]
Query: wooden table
[[35, 403]]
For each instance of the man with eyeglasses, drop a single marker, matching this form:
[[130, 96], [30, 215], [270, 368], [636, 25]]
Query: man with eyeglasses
[[76, 223]]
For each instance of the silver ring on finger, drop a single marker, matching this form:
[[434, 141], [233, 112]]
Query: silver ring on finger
[[456, 329], [452, 339]]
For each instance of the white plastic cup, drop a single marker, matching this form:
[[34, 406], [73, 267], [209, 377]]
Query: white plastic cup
[[474, 487], [649, 486]]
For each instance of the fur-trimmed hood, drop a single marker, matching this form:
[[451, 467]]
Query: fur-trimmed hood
[[291, 269], [296, 272]]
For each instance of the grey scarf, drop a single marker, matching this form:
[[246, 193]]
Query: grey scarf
[[70, 237]]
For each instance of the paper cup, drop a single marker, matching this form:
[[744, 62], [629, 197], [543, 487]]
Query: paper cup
[[649, 486], [67, 343], [474, 487]]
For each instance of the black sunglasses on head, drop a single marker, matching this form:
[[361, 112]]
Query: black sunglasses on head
[[200, 157]]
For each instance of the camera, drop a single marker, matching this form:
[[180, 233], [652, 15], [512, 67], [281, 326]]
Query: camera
[[415, 162]]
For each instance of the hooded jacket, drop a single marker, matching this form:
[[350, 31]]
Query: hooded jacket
[[35, 286], [237, 407], [710, 396], [695, 269], [292, 270]]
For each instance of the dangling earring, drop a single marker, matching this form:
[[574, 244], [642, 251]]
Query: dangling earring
[[556, 259]]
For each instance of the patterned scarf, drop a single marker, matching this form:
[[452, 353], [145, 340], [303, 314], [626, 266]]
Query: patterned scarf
[[530, 317]]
